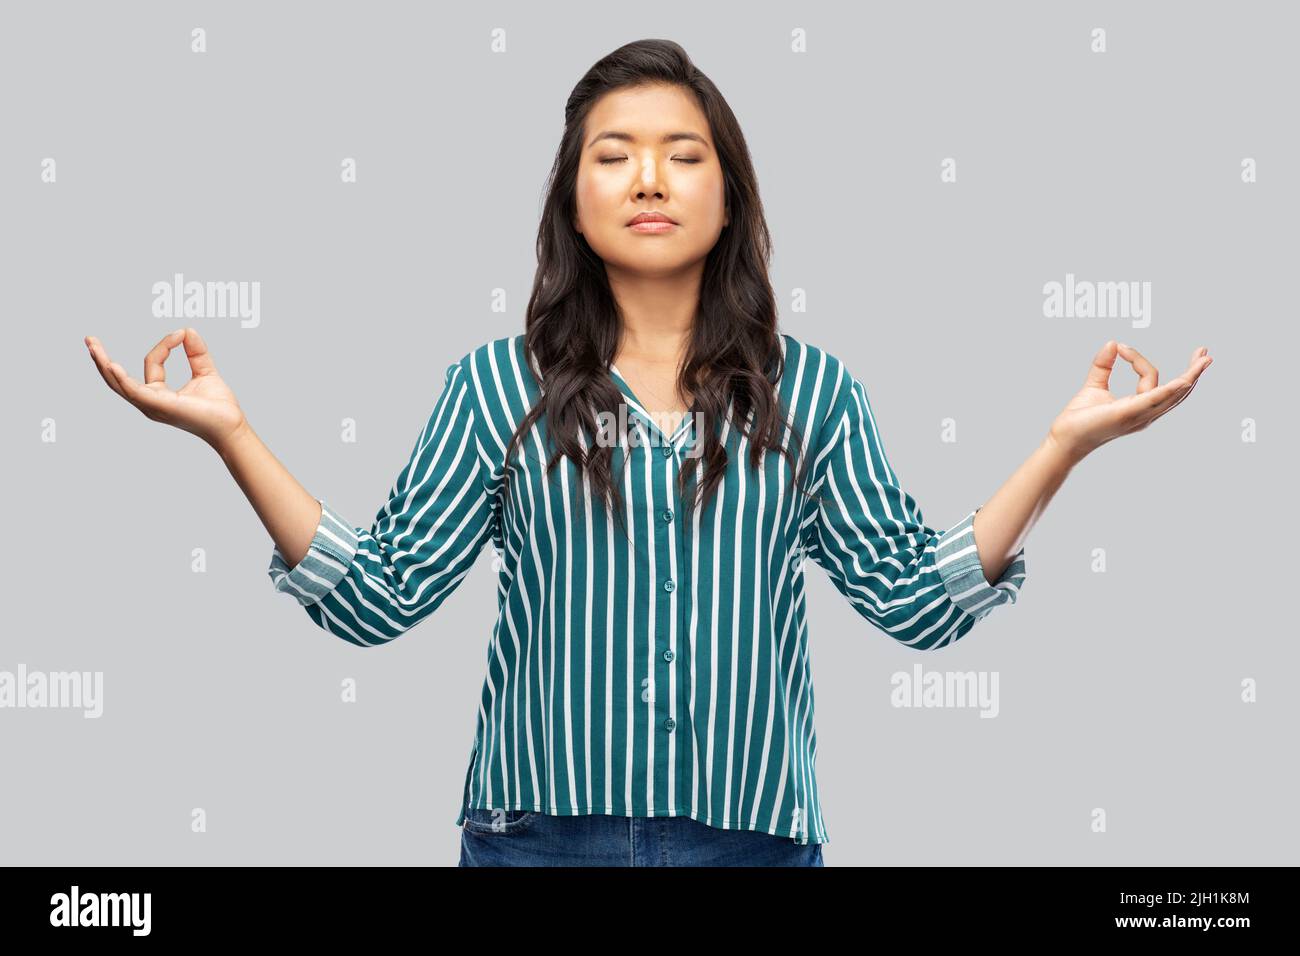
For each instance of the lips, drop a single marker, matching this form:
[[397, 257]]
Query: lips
[[643, 217]]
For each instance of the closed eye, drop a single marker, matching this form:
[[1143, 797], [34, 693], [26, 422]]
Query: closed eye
[[620, 159]]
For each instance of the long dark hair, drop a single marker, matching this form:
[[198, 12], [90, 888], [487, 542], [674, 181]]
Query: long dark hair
[[573, 326]]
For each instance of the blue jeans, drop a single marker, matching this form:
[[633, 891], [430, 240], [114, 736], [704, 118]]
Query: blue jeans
[[529, 838]]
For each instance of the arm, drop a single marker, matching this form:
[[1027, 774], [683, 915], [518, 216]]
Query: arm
[[924, 588], [290, 513], [369, 585], [1003, 522], [1091, 419], [366, 586], [205, 406]]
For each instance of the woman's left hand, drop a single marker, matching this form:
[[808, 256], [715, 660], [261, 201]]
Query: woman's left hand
[[1095, 416]]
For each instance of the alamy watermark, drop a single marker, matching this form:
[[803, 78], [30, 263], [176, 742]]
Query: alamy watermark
[[611, 425], [179, 299], [102, 909], [1098, 300], [73, 690], [948, 689]]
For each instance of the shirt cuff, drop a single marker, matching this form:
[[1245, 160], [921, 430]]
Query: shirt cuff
[[326, 563], [958, 561]]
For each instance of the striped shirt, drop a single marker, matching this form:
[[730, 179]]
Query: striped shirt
[[664, 673]]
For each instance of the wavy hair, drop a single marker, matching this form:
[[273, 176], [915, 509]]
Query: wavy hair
[[573, 326]]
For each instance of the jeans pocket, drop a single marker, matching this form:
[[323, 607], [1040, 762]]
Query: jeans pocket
[[497, 821]]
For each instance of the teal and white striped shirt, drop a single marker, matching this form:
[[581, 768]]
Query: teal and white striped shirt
[[668, 676]]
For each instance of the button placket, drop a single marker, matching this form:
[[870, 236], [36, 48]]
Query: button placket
[[670, 585], [682, 543]]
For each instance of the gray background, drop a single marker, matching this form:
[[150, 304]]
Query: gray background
[[1118, 690]]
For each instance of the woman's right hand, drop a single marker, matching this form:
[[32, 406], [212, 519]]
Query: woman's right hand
[[204, 406]]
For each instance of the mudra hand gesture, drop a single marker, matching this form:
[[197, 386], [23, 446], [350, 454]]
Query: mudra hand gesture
[[1095, 416], [204, 406]]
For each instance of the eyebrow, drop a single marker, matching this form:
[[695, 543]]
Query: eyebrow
[[666, 138]]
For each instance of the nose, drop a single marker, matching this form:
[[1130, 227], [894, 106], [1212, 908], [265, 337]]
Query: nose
[[648, 181]]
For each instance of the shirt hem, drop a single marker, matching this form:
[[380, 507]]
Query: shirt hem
[[619, 812]]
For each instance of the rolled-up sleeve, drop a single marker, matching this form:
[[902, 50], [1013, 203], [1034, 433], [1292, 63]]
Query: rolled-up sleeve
[[369, 585], [958, 561], [328, 557], [922, 587]]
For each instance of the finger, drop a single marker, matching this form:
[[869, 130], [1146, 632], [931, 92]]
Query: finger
[[197, 351], [1147, 402], [1178, 401], [141, 396], [100, 358], [1102, 365], [1161, 402], [1179, 390], [1167, 397], [1148, 376], [1195, 377], [1194, 370], [155, 358]]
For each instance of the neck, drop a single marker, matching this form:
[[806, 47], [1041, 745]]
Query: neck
[[656, 315]]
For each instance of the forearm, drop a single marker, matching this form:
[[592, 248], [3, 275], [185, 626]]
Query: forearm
[[1003, 523], [289, 511]]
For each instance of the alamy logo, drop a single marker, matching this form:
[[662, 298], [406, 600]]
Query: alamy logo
[[610, 425], [179, 299], [1098, 300], [973, 689], [59, 689], [102, 909]]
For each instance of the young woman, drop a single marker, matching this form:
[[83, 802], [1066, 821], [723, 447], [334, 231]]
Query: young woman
[[652, 461]]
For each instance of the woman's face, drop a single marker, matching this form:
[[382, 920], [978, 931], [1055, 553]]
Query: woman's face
[[649, 150]]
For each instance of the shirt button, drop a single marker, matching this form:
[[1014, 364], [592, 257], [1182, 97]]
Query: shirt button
[[670, 723], [669, 655], [669, 585], [668, 451], [668, 514]]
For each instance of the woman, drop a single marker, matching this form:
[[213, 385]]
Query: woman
[[648, 698]]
